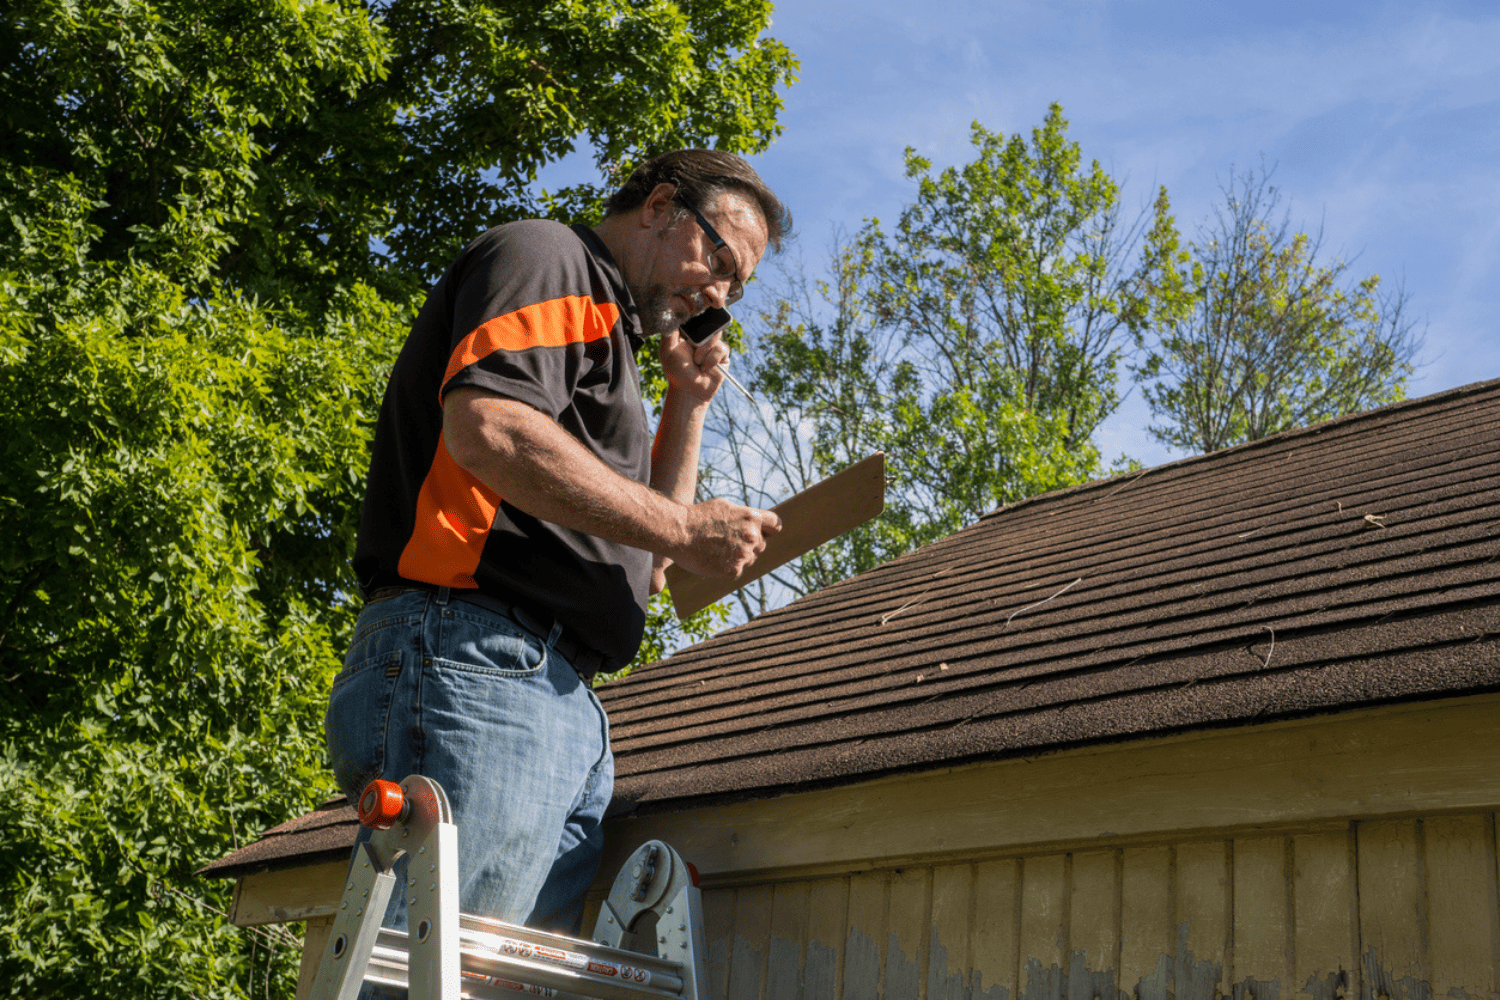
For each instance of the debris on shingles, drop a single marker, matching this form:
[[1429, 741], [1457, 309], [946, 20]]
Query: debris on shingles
[[1126, 483], [1248, 533], [1169, 600], [1266, 663], [1040, 603], [942, 666], [914, 601], [1376, 519], [891, 614]]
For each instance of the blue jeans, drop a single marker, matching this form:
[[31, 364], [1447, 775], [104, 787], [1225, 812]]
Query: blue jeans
[[436, 686]]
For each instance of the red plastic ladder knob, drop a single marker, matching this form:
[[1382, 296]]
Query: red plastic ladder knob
[[382, 804]]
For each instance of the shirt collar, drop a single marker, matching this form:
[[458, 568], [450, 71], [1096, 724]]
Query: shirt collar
[[630, 317]]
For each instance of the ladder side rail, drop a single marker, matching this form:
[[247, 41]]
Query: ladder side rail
[[681, 938], [355, 928], [432, 915]]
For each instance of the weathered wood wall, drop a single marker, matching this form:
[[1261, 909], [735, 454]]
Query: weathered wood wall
[[1390, 909]]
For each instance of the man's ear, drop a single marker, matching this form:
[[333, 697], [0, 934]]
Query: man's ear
[[657, 204]]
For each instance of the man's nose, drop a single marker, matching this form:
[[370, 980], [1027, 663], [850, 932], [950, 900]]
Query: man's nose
[[717, 293]]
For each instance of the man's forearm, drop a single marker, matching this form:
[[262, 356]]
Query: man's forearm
[[674, 454], [538, 467], [533, 463]]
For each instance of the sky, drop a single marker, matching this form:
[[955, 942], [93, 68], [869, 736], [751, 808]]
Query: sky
[[1381, 120]]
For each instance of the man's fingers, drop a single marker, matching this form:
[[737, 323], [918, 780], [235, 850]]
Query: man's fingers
[[770, 522]]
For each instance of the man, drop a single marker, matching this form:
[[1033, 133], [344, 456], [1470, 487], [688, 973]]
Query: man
[[518, 512]]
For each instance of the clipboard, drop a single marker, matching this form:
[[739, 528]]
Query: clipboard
[[822, 512]]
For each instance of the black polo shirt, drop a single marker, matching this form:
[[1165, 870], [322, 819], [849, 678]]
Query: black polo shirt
[[536, 312]]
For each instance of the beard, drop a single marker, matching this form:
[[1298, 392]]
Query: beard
[[656, 313]]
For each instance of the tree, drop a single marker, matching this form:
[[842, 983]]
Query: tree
[[214, 221], [1271, 337], [976, 346]]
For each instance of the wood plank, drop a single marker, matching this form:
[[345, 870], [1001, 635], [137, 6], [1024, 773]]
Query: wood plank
[[280, 897], [1094, 925], [1261, 928], [996, 930], [864, 947], [907, 929], [752, 936], [827, 927], [1148, 924], [1204, 918], [314, 941], [1407, 760], [1044, 926], [784, 968], [823, 511], [1324, 915], [718, 931], [1462, 908], [1392, 909], [948, 954]]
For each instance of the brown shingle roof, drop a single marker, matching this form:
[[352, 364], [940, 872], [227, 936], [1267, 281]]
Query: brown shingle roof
[[325, 834], [1348, 564], [1352, 563]]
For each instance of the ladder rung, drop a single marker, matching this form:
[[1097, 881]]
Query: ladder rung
[[631, 976], [664, 970]]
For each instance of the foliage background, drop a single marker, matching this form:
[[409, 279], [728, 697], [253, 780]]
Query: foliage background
[[215, 221]]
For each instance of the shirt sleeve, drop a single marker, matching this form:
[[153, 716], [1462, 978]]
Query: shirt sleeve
[[523, 316]]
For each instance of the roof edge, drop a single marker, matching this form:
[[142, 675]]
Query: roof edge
[[1472, 388]]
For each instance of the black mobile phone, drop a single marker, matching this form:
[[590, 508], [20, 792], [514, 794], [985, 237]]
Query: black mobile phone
[[704, 325]]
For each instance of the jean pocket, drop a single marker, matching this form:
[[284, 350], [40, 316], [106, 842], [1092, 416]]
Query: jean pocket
[[485, 642], [358, 720]]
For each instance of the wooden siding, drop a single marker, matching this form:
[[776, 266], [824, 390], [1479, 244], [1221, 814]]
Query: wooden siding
[[1392, 909], [1411, 759]]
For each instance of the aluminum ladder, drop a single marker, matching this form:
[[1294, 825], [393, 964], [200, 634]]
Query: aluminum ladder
[[451, 955]]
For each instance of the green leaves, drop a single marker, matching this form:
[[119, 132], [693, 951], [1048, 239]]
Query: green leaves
[[215, 222], [976, 345], [1261, 336], [179, 513]]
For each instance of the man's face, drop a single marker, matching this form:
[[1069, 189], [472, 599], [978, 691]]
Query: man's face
[[678, 278]]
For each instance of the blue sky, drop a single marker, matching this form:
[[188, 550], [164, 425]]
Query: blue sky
[[1382, 121]]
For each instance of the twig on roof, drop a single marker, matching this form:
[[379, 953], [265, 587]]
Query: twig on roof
[[1248, 533], [1126, 483], [1376, 519], [915, 600], [1040, 603], [1267, 661]]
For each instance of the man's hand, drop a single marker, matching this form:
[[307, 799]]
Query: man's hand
[[694, 368], [723, 538]]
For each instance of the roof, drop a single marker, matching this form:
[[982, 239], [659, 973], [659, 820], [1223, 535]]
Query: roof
[[1349, 564], [325, 834]]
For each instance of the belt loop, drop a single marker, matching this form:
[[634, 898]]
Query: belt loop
[[556, 634], [442, 596]]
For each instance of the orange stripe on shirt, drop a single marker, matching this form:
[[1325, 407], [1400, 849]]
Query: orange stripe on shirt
[[569, 319], [454, 514]]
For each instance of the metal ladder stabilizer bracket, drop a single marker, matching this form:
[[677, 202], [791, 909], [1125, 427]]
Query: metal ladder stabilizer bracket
[[449, 955]]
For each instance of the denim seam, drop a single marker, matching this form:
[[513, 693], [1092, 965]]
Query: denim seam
[[381, 623], [370, 663], [480, 671]]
